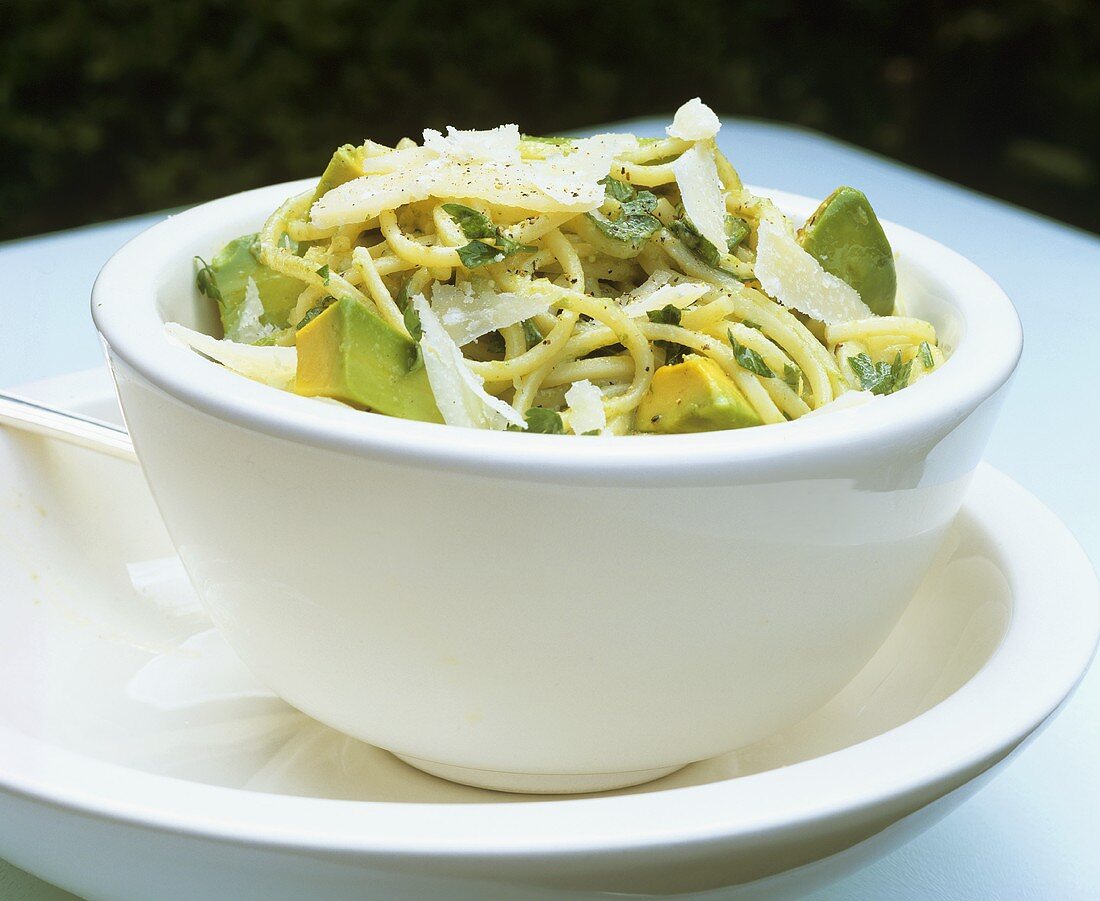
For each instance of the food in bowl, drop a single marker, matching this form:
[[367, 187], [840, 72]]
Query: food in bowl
[[604, 285], [538, 613]]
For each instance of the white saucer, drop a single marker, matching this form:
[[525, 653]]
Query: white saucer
[[133, 738]]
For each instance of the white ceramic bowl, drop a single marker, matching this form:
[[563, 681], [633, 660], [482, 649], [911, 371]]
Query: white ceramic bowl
[[538, 612]]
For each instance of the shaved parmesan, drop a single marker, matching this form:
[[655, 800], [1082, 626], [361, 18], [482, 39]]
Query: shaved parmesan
[[679, 296], [568, 181], [701, 191], [249, 329], [694, 121], [275, 366], [586, 412], [794, 278], [467, 314], [500, 144], [459, 393]]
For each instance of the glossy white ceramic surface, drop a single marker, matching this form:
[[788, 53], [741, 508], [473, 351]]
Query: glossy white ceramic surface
[[528, 606], [128, 730]]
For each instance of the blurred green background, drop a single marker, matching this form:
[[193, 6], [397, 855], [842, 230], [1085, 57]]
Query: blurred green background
[[113, 108]]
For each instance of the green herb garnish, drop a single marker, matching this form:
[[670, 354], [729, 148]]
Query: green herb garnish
[[411, 319], [737, 229], [880, 378], [667, 315], [473, 223], [206, 281], [316, 310], [792, 376], [925, 351], [476, 225], [699, 246], [749, 359], [531, 333], [402, 298], [478, 253], [324, 273], [541, 420], [634, 223]]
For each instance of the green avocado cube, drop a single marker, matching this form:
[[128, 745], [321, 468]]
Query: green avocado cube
[[693, 396], [234, 265], [346, 164], [846, 238], [350, 354]]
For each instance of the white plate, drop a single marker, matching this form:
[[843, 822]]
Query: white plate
[[157, 767]]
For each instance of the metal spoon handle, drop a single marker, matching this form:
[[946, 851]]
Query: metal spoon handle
[[83, 431]]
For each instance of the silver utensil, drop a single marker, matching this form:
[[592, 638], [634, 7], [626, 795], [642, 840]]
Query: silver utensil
[[84, 431]]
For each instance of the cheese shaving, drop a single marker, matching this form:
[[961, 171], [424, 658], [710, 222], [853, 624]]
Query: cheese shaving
[[467, 312], [497, 145], [275, 366], [586, 410], [694, 121], [794, 278], [679, 296], [459, 393], [249, 329], [568, 181], [701, 191]]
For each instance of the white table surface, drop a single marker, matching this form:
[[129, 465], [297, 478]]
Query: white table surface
[[1032, 832]]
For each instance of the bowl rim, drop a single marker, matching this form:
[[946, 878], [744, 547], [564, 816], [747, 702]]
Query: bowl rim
[[1046, 649], [133, 332]]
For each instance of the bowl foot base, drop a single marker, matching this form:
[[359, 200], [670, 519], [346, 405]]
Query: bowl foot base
[[538, 783]]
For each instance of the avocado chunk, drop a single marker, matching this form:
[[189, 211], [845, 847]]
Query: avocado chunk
[[234, 265], [346, 164], [350, 354], [693, 396], [845, 237]]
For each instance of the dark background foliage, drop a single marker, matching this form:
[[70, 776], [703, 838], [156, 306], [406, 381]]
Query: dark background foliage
[[115, 107]]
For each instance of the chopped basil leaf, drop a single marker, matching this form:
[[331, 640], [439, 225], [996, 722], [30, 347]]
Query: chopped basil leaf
[[324, 273], [531, 333], [749, 359], [631, 229], [617, 190], [402, 298], [206, 281], [472, 223], [748, 323], [477, 225], [700, 247], [634, 224], [591, 432], [737, 229], [412, 322], [667, 315], [926, 357], [792, 376], [316, 310], [881, 378], [674, 353], [478, 253], [541, 420]]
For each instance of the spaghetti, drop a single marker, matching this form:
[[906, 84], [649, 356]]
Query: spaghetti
[[557, 263]]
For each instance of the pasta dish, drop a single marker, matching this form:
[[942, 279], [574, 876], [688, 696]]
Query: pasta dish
[[609, 285]]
